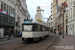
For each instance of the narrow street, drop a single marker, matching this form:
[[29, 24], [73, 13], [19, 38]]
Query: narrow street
[[18, 44]]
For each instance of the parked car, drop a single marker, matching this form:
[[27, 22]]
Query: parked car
[[19, 34]]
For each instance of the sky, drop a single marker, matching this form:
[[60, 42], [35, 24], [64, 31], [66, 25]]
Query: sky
[[44, 4]]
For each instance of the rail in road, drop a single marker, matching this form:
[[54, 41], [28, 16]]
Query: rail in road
[[46, 44], [10, 41]]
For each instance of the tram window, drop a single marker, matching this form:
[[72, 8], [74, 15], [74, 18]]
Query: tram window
[[47, 28], [33, 28], [40, 27], [36, 27], [27, 27]]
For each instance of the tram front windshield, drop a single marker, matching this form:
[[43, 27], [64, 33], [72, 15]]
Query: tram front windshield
[[27, 27]]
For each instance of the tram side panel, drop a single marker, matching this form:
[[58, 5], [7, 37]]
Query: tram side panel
[[34, 34], [27, 35]]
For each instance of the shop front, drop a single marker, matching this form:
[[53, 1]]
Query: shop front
[[7, 23]]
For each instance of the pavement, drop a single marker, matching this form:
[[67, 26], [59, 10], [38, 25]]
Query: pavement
[[66, 43], [5, 38]]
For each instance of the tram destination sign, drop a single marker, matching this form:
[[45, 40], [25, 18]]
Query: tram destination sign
[[27, 21]]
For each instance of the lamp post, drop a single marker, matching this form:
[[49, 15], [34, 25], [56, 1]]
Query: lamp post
[[63, 17]]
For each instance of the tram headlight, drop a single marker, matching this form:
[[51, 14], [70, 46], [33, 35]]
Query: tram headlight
[[26, 34]]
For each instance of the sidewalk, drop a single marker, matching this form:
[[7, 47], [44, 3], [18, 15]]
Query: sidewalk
[[66, 43], [6, 38]]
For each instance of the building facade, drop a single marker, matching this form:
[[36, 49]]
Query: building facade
[[7, 17], [12, 14], [49, 21], [55, 4], [38, 15], [21, 13], [71, 17], [59, 25]]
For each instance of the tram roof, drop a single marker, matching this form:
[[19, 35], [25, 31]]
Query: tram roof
[[36, 22], [41, 23]]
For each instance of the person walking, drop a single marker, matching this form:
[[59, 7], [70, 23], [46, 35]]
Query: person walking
[[54, 31]]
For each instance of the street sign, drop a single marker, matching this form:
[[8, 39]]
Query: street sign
[[61, 27]]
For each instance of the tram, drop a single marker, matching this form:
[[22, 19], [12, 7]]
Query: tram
[[34, 30]]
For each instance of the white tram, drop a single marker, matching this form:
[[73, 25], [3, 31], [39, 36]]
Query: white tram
[[34, 31]]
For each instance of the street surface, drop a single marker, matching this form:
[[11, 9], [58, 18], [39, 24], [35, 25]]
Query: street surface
[[18, 44]]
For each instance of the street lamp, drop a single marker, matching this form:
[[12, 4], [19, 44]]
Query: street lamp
[[63, 16]]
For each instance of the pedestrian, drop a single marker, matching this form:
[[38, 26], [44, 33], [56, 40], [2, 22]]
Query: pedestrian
[[54, 32], [9, 34]]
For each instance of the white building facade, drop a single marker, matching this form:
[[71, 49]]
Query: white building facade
[[7, 17], [21, 13], [71, 17]]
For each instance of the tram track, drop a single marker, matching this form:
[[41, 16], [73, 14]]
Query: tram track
[[51, 44], [44, 43], [5, 43], [56, 41], [21, 46], [15, 46]]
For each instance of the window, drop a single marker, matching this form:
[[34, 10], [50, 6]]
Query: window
[[13, 10], [1, 5], [37, 27], [41, 28], [9, 9], [51, 18], [71, 13], [74, 12], [13, 1], [4, 7], [27, 27]]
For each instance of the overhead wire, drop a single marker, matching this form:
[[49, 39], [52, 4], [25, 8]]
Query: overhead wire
[[33, 3], [40, 6]]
